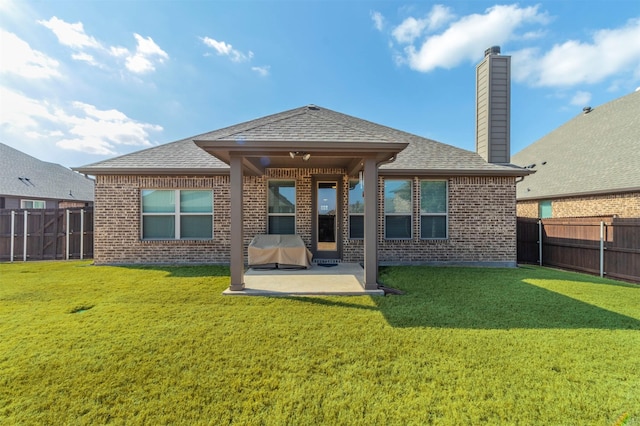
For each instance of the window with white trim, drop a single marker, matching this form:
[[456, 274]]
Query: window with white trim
[[281, 207], [398, 209], [433, 209], [356, 209], [33, 204], [175, 214]]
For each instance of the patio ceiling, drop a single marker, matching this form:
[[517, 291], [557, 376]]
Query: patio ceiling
[[259, 155]]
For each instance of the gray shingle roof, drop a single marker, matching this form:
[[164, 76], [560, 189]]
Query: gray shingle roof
[[24, 176], [596, 152], [305, 124]]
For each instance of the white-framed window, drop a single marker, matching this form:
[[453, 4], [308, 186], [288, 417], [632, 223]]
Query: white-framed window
[[398, 209], [281, 207], [356, 209], [33, 204], [177, 214], [433, 209]]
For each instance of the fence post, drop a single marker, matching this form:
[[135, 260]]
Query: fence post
[[13, 233], [601, 249], [68, 221], [540, 242], [81, 234], [24, 245]]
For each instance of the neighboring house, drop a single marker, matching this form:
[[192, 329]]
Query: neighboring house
[[589, 166], [355, 191], [29, 183]]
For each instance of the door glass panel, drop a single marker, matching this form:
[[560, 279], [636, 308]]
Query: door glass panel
[[327, 222]]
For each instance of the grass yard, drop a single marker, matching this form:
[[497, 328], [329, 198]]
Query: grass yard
[[81, 344]]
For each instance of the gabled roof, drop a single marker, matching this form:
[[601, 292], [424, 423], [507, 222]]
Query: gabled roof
[[308, 127], [596, 152], [24, 176]]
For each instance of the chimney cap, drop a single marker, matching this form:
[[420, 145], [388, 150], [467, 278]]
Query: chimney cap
[[493, 50]]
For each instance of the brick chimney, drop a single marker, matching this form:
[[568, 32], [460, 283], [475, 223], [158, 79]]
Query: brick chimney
[[493, 107]]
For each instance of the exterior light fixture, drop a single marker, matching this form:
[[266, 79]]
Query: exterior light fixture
[[305, 155]]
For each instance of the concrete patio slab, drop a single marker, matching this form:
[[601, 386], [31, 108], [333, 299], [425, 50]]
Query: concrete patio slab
[[342, 279]]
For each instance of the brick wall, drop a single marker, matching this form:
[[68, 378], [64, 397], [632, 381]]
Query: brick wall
[[622, 205], [117, 221], [481, 220], [482, 226]]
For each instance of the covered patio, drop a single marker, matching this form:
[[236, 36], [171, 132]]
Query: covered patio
[[340, 279], [303, 141]]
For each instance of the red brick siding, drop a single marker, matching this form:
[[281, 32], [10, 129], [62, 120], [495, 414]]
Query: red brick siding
[[621, 205], [481, 220], [482, 225]]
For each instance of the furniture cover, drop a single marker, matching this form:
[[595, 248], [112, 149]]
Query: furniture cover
[[279, 251]]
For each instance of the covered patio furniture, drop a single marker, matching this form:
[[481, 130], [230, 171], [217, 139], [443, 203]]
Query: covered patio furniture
[[279, 251]]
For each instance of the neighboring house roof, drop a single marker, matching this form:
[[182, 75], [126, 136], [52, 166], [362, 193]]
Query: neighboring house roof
[[27, 177], [596, 152], [307, 126]]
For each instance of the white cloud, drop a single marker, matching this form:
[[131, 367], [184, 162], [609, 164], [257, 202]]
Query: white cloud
[[147, 54], [20, 59], [263, 71], [409, 30], [378, 20], [85, 57], [412, 28], [118, 51], [534, 35], [581, 98], [468, 37], [465, 38], [574, 62], [226, 49], [78, 126], [143, 60], [71, 35]]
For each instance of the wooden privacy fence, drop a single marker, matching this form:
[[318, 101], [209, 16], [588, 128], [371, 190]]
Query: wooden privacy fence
[[46, 234], [605, 245]]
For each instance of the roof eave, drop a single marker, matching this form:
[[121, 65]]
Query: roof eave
[[455, 172], [95, 171], [580, 194]]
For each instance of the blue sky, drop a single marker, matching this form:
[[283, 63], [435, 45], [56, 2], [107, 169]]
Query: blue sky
[[83, 81]]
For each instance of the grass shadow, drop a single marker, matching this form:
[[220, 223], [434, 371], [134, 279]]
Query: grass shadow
[[482, 298], [184, 271], [323, 301]]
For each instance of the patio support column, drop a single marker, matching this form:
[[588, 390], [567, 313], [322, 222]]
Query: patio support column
[[370, 224], [237, 225]]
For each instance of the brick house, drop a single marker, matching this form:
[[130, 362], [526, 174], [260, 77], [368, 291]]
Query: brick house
[[353, 190], [586, 167], [29, 183]]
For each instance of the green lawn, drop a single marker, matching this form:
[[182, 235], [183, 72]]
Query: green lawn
[[81, 344]]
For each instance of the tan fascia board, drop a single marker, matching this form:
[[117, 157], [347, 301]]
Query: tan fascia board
[[579, 194], [151, 171], [454, 172], [254, 148]]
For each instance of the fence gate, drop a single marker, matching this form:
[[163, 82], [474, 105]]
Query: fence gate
[[46, 234]]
